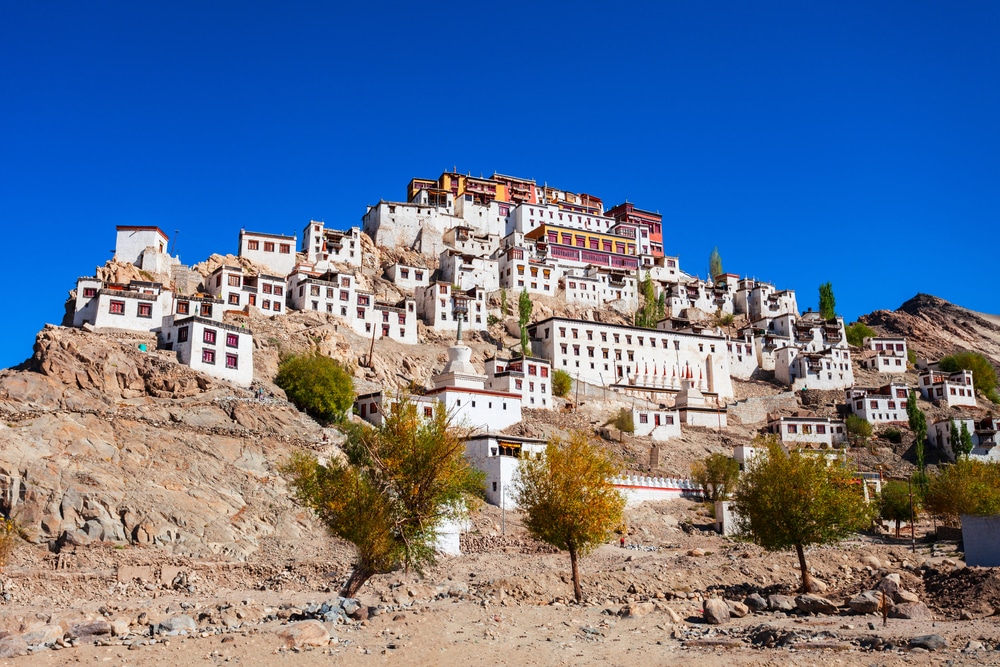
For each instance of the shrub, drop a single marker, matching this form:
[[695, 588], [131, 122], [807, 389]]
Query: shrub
[[893, 435], [623, 421], [984, 376], [318, 385], [10, 539], [966, 487], [857, 332], [859, 431], [561, 382], [717, 474]]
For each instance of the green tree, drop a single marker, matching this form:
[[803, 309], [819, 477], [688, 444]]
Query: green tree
[[895, 503], [859, 431], [792, 500], [568, 498], [984, 376], [964, 440], [918, 424], [524, 307], [652, 309], [562, 382], [717, 475], [714, 264], [954, 439], [318, 385], [857, 332], [503, 302], [827, 303], [623, 421], [388, 496], [968, 486]]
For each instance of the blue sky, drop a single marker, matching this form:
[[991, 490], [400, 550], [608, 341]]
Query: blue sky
[[850, 142]]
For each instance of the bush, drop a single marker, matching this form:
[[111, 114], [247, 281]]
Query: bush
[[717, 475], [859, 431], [623, 421], [561, 382], [857, 332], [318, 385], [984, 376], [966, 487], [895, 505], [10, 538], [893, 435]]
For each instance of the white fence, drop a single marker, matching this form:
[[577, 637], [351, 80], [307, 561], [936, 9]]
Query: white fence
[[639, 489]]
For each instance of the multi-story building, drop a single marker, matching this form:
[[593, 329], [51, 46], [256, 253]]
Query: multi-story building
[[205, 307], [528, 377], [949, 388], [137, 306], [436, 305], [417, 226], [518, 271], [762, 301], [237, 290], [708, 297], [885, 405], [611, 354], [337, 294], [658, 425], [274, 252], [580, 247], [808, 430], [526, 218], [601, 287], [810, 352], [407, 276], [626, 213], [884, 354], [132, 241], [220, 350], [500, 456], [323, 247], [467, 241], [468, 271]]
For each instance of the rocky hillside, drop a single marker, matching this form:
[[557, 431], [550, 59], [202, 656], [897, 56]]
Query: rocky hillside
[[935, 328]]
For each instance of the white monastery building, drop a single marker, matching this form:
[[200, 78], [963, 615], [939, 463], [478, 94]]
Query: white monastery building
[[274, 252], [949, 388], [886, 405], [885, 355]]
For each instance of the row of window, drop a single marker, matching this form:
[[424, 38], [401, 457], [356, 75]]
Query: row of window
[[283, 248], [208, 357], [143, 309], [667, 420], [807, 429]]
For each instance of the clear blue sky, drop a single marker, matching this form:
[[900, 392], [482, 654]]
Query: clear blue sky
[[851, 142]]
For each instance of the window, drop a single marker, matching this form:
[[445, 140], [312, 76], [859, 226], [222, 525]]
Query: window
[[266, 304], [234, 281], [116, 308], [145, 310], [234, 299], [361, 313], [253, 245], [821, 429], [231, 361], [209, 336], [183, 307], [285, 248], [268, 246], [232, 340], [643, 418], [208, 356], [276, 306], [792, 428], [89, 292], [266, 288], [182, 335], [544, 371]]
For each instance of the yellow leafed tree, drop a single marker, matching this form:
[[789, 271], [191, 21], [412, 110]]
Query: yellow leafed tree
[[569, 499]]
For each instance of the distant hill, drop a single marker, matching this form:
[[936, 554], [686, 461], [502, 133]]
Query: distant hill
[[935, 328]]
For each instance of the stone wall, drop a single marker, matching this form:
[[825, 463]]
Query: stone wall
[[755, 410]]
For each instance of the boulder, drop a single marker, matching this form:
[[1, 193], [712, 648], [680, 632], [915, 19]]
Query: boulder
[[914, 611], [716, 611], [177, 624], [814, 604], [91, 628], [303, 634], [755, 603], [865, 603], [120, 626], [47, 634], [929, 642], [13, 646], [817, 585], [737, 609], [785, 603], [636, 610], [871, 561], [902, 595]]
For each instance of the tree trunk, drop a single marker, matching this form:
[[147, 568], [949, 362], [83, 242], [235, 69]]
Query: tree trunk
[[359, 575], [577, 591], [802, 566], [897, 529]]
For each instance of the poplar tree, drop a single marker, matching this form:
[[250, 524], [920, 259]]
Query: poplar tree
[[827, 303], [523, 317], [918, 424], [714, 264]]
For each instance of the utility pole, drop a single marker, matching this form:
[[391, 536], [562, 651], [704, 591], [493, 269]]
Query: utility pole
[[913, 535]]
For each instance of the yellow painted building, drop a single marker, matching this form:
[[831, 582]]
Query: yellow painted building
[[584, 240]]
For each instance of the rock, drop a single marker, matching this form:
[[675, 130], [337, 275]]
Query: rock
[[737, 609], [304, 633], [90, 629], [716, 611], [814, 604], [871, 561], [865, 603], [755, 603], [901, 595], [674, 617], [178, 624], [361, 613], [120, 626], [817, 585], [13, 646], [636, 610], [914, 611], [929, 642], [785, 603], [350, 605], [47, 634], [695, 553], [973, 646]]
